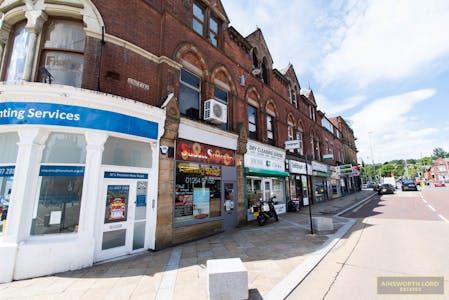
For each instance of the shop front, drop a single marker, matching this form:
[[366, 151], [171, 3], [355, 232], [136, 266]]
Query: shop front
[[335, 188], [265, 176], [78, 177], [299, 182], [205, 185], [321, 182]]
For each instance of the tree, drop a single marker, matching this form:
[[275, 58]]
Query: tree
[[439, 152]]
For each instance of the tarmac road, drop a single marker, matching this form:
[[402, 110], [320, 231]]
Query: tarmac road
[[405, 234]]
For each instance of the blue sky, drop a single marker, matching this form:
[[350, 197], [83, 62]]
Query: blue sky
[[383, 65]]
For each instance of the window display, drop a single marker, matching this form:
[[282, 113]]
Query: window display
[[198, 192], [61, 177]]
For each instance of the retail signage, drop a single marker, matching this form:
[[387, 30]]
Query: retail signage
[[298, 167], [264, 157], [37, 113], [7, 171], [345, 169], [116, 203], [65, 171], [125, 175], [316, 166], [292, 145], [198, 152], [329, 156]]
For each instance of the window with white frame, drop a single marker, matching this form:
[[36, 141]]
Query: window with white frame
[[61, 176], [8, 157], [189, 94]]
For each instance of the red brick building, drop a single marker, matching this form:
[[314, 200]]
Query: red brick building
[[172, 121]]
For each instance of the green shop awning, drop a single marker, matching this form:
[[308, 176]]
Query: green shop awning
[[265, 173]]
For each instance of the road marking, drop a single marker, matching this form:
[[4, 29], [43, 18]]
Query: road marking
[[425, 201], [431, 207], [443, 218]]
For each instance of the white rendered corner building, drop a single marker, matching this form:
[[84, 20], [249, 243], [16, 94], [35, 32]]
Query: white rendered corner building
[[79, 171]]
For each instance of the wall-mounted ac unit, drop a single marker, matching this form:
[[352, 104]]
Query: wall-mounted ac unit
[[215, 111]]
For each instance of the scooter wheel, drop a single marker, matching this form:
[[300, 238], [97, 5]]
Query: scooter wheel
[[261, 220]]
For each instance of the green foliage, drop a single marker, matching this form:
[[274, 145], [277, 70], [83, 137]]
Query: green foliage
[[439, 152]]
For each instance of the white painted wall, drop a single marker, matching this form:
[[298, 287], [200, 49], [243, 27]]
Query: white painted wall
[[24, 256]]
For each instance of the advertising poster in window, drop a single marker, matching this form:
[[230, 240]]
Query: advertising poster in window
[[201, 198], [116, 203], [198, 192]]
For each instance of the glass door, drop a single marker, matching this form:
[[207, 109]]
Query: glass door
[[118, 219], [267, 191]]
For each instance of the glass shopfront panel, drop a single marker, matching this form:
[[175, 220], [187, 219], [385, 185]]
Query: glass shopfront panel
[[8, 156], [61, 176], [198, 192]]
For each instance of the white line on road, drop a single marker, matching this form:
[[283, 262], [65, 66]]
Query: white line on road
[[431, 207], [425, 201], [443, 218]]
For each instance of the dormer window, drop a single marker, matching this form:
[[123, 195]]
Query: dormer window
[[203, 19]]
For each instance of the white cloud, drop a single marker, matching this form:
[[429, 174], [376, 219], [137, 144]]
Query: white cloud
[[386, 40], [384, 127], [333, 108]]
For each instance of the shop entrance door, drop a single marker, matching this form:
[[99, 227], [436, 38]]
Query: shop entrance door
[[123, 218], [230, 204], [267, 189]]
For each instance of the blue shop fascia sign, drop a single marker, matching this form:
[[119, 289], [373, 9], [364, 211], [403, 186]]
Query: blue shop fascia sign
[[36, 113]]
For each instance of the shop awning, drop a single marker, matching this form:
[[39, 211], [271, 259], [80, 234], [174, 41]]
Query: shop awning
[[265, 173]]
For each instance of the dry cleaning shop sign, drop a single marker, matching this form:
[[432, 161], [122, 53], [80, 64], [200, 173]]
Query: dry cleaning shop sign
[[37, 113]]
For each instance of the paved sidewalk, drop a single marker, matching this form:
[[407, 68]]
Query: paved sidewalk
[[275, 255]]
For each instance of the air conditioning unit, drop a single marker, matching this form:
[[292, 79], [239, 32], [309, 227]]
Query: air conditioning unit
[[215, 111]]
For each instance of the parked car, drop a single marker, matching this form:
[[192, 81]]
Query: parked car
[[409, 185], [439, 183], [386, 188]]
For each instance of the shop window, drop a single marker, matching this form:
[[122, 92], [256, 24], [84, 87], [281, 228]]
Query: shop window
[[189, 94], [8, 156], [254, 189], [270, 130], [61, 176], [122, 152], [222, 96], [198, 192], [252, 122], [17, 55]]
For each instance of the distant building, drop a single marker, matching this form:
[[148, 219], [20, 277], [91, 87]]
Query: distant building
[[439, 169]]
